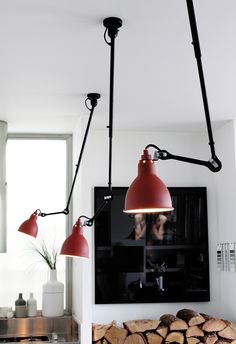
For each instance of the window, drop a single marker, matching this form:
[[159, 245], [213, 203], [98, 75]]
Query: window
[[37, 175]]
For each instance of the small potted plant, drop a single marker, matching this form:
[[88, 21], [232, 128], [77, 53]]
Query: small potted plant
[[53, 290], [48, 256]]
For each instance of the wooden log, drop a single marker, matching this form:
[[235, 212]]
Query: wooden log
[[192, 340], [116, 335], [210, 339], [175, 337], [190, 317], [143, 325], [194, 331], [173, 322], [154, 338], [99, 330], [206, 316], [214, 325], [219, 324], [162, 330], [135, 338], [233, 326], [228, 332]]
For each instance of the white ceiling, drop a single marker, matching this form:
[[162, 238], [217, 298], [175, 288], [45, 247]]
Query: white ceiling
[[52, 54]]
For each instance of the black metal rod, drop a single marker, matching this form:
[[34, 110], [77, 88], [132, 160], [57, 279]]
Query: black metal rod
[[65, 212], [197, 50], [112, 25], [192, 161], [89, 222], [101, 207], [93, 100], [80, 157], [111, 102], [214, 164]]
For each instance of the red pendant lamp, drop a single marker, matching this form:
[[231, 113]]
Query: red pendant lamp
[[76, 245], [147, 193], [30, 226]]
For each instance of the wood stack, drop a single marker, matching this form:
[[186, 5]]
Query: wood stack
[[186, 327]]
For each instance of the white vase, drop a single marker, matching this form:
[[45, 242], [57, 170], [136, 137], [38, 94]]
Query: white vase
[[53, 297]]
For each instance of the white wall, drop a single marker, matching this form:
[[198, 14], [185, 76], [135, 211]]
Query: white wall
[[81, 269], [226, 201], [127, 149]]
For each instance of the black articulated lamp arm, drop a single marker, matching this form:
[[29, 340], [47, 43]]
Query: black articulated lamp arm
[[90, 220], [214, 164], [112, 25], [92, 97], [30, 226]]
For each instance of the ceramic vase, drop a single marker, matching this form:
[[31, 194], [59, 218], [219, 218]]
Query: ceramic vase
[[53, 297]]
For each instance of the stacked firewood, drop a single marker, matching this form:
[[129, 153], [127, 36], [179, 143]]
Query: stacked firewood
[[187, 327]]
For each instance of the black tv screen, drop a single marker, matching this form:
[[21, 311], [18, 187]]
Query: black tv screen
[[152, 257]]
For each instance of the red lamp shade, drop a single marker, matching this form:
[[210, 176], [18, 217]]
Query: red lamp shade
[[76, 245], [147, 193], [30, 226]]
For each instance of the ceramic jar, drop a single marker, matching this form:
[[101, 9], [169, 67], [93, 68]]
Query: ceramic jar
[[53, 297]]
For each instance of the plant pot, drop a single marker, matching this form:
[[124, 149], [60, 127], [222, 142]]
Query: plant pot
[[53, 297]]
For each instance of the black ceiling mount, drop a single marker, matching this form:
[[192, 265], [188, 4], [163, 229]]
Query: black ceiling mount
[[112, 24], [93, 97]]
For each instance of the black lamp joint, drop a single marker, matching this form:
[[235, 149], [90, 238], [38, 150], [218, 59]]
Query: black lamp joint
[[215, 164], [88, 223], [108, 197], [162, 154]]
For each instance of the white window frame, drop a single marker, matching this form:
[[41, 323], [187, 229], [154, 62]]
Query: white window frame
[[69, 217]]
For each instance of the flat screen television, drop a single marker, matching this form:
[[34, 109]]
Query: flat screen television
[[152, 257]]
